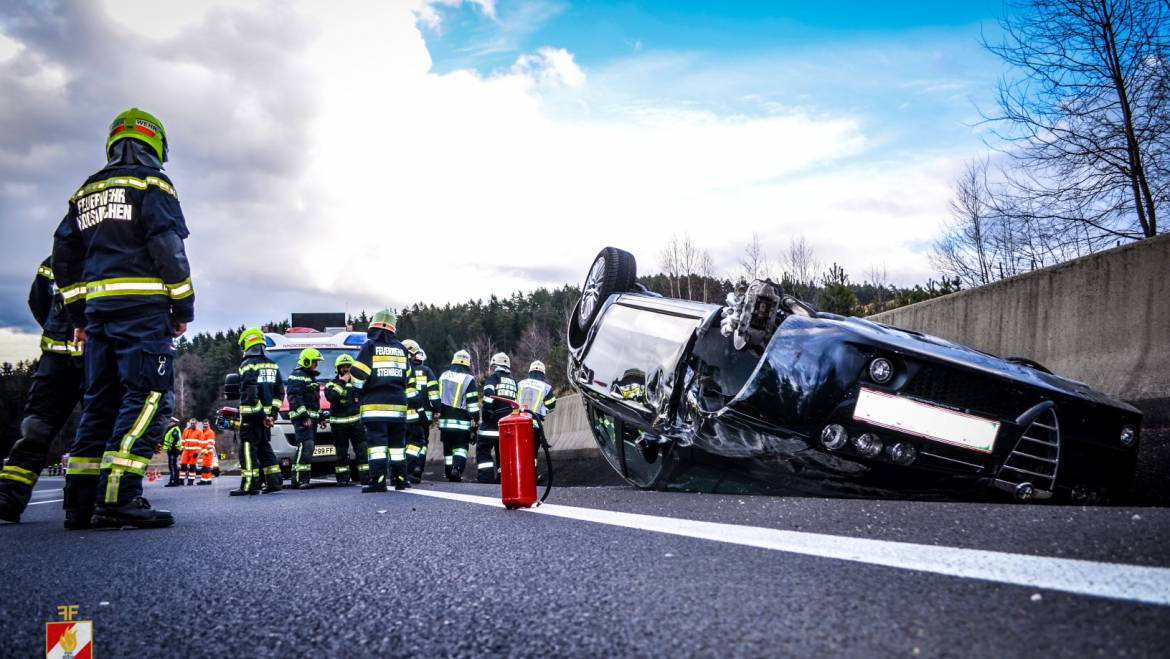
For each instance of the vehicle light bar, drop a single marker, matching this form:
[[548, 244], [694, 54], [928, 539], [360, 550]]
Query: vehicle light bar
[[927, 421]]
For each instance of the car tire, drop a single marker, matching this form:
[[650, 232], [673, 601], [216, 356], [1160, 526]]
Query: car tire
[[613, 271]]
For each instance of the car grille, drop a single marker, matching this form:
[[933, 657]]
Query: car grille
[[967, 391], [1036, 456]]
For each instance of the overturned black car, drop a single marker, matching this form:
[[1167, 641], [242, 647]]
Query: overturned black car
[[766, 394]]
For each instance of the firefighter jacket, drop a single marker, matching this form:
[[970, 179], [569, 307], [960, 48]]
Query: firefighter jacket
[[173, 440], [458, 403], [261, 388], [499, 383], [427, 399], [383, 375], [48, 307], [119, 249], [304, 396], [536, 394], [343, 402]]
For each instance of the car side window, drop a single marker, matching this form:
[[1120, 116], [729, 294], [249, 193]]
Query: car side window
[[634, 348]]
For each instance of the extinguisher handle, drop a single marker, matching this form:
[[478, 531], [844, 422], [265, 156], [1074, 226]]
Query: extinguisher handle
[[501, 399]]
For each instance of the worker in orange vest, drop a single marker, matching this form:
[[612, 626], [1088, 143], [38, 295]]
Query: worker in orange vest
[[192, 445], [206, 453]]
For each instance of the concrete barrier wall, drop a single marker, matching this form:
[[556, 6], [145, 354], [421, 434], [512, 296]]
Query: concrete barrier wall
[[567, 428], [1102, 319]]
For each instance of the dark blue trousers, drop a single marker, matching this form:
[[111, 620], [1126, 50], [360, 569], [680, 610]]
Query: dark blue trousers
[[129, 370]]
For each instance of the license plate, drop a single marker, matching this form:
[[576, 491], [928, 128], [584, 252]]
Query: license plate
[[326, 449], [927, 421]]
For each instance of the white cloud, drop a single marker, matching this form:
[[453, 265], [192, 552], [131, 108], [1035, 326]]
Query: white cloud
[[16, 346], [314, 149]]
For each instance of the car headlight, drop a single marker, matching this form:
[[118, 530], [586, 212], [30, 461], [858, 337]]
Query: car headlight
[[834, 437], [869, 445], [1128, 435], [881, 370]]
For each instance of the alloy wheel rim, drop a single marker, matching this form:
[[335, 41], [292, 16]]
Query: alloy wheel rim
[[591, 292]]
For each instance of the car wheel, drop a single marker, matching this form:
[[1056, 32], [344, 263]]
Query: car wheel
[[613, 271]]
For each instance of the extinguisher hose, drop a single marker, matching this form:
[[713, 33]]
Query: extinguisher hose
[[547, 461]]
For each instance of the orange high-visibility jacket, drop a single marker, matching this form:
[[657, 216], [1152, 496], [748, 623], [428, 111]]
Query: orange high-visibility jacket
[[208, 446]]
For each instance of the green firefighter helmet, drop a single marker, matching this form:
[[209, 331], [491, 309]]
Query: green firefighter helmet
[[308, 356], [384, 319], [462, 358], [251, 338], [139, 125], [342, 360]]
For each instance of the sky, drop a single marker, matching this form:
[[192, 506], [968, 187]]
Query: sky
[[352, 155]]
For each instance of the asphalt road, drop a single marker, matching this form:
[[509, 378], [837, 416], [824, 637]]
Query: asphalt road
[[332, 572]]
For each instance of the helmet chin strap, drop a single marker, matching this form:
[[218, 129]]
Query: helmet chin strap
[[133, 152]]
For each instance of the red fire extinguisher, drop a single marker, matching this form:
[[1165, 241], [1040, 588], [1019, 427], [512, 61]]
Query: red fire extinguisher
[[517, 466], [518, 459]]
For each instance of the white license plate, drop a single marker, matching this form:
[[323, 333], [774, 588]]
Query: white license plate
[[927, 421], [326, 449]]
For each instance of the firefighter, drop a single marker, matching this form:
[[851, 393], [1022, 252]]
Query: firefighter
[[120, 264], [304, 410], [383, 376], [345, 421], [56, 389], [458, 411], [206, 452], [192, 445], [499, 384], [420, 415], [261, 394], [173, 445], [535, 394]]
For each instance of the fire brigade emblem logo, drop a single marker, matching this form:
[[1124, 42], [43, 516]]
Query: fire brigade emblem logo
[[69, 638]]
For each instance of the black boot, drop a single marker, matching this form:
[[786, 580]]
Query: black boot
[[137, 513], [79, 503], [11, 505], [242, 493]]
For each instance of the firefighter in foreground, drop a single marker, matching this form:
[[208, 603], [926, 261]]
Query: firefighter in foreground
[[56, 389], [535, 394], [383, 376], [261, 393], [173, 445], [345, 422], [120, 264], [304, 410], [421, 414], [458, 412], [192, 445], [499, 384]]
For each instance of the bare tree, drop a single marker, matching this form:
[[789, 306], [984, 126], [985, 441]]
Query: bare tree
[[754, 262], [534, 343], [688, 262], [481, 348], [879, 278], [671, 257], [1084, 115], [706, 271], [801, 268]]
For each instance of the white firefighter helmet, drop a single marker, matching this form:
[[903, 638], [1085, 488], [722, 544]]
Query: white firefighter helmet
[[462, 357], [500, 359], [537, 366], [411, 346]]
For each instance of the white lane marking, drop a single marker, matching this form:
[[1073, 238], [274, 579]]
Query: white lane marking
[[1135, 583], [37, 503], [60, 489]]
